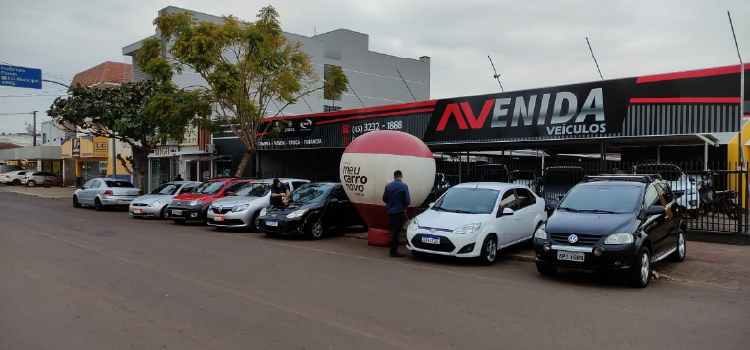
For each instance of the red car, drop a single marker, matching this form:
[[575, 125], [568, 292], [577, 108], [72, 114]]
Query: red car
[[194, 205]]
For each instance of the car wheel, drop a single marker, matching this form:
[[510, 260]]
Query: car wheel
[[488, 253], [254, 222], [681, 252], [31, 183], [16, 182], [75, 202], [316, 229], [179, 221], [98, 205], [165, 213], [640, 272], [545, 270]]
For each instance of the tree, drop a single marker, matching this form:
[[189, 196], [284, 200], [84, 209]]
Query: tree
[[143, 114], [247, 66]]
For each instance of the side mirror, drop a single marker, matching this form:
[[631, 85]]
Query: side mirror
[[505, 212], [334, 200], [430, 205], [656, 210]]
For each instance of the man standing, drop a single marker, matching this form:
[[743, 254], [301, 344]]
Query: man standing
[[396, 198], [279, 193]]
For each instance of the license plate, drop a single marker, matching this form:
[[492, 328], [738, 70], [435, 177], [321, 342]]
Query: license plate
[[430, 239], [218, 218], [176, 212], [272, 223], [138, 211], [570, 256]]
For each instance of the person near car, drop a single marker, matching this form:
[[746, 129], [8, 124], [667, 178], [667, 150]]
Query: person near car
[[279, 193], [396, 198], [178, 178]]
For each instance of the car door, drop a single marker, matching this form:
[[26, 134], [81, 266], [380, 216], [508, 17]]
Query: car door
[[672, 216], [655, 225], [84, 193], [525, 214], [335, 211], [507, 225]]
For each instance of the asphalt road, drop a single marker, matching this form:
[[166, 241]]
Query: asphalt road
[[80, 279]]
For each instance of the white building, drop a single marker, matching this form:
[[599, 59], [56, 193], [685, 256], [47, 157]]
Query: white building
[[374, 81]]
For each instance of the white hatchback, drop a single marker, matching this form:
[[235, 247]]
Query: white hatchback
[[475, 220]]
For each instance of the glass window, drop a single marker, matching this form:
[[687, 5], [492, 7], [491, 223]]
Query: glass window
[[187, 188], [339, 194], [210, 187], [166, 189], [118, 183], [508, 200], [525, 198], [234, 187], [89, 184], [96, 184], [254, 190], [651, 197], [603, 198], [311, 193], [468, 200]]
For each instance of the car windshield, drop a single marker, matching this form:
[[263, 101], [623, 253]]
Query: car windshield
[[668, 173], [210, 187], [468, 200], [253, 190], [166, 189], [311, 193], [602, 199], [111, 183]]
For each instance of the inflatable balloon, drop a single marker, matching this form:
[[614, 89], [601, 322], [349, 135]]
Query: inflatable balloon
[[367, 166]]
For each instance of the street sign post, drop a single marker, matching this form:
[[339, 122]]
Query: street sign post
[[20, 77]]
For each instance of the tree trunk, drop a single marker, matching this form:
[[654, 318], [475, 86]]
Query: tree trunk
[[140, 166], [243, 164]]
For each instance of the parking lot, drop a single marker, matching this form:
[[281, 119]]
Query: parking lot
[[154, 284]]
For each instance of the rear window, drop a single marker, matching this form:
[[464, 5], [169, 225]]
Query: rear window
[[111, 183]]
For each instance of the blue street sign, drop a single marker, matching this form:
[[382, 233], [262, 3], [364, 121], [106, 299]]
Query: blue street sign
[[20, 77]]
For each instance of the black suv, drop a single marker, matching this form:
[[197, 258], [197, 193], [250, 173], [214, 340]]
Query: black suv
[[613, 222]]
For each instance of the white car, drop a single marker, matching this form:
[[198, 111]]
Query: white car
[[242, 208], [14, 177], [689, 198], [475, 220], [154, 204]]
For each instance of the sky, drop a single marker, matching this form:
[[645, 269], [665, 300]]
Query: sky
[[533, 43]]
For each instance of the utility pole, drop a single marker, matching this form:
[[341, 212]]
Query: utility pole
[[34, 128]]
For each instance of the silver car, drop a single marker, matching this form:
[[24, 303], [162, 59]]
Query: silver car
[[154, 204], [105, 192], [240, 209], [13, 177]]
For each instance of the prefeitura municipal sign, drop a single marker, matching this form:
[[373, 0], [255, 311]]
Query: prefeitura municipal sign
[[20, 77]]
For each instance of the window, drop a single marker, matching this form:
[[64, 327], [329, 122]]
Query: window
[[525, 198], [339, 194], [651, 197], [187, 188], [96, 184], [89, 184], [327, 108], [508, 200]]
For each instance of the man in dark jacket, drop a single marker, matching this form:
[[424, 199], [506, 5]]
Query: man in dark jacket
[[396, 198]]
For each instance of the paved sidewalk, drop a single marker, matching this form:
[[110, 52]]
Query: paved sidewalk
[[713, 264], [52, 192]]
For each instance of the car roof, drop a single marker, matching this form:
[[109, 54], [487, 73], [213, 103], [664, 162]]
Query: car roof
[[488, 185]]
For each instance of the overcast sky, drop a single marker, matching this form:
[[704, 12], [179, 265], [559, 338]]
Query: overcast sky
[[533, 43]]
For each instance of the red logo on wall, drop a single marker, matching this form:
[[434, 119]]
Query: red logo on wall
[[345, 141], [345, 129]]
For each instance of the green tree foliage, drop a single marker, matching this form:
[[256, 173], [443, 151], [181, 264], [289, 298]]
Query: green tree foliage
[[247, 66], [143, 114]]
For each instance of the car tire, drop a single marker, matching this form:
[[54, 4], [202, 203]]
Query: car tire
[[488, 254], [164, 213], [98, 205], [640, 272], [545, 270], [179, 221], [16, 182], [254, 222], [681, 252], [76, 204], [315, 231], [31, 183]]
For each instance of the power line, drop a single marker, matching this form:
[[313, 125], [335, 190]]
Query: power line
[[407, 85], [595, 62]]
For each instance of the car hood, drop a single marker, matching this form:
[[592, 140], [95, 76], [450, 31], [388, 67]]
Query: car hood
[[447, 220], [589, 223], [278, 211], [150, 198], [231, 201]]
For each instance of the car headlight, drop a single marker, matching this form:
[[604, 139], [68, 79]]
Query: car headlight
[[195, 202], [240, 207], [619, 238], [296, 213], [413, 224], [153, 204], [263, 212], [469, 228], [541, 232]]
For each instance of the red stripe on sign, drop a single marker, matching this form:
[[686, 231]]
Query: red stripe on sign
[[389, 142], [686, 100], [689, 74], [413, 111]]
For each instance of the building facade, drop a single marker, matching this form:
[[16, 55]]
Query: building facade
[[375, 79]]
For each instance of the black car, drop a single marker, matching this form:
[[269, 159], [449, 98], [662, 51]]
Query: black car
[[613, 222], [312, 209]]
